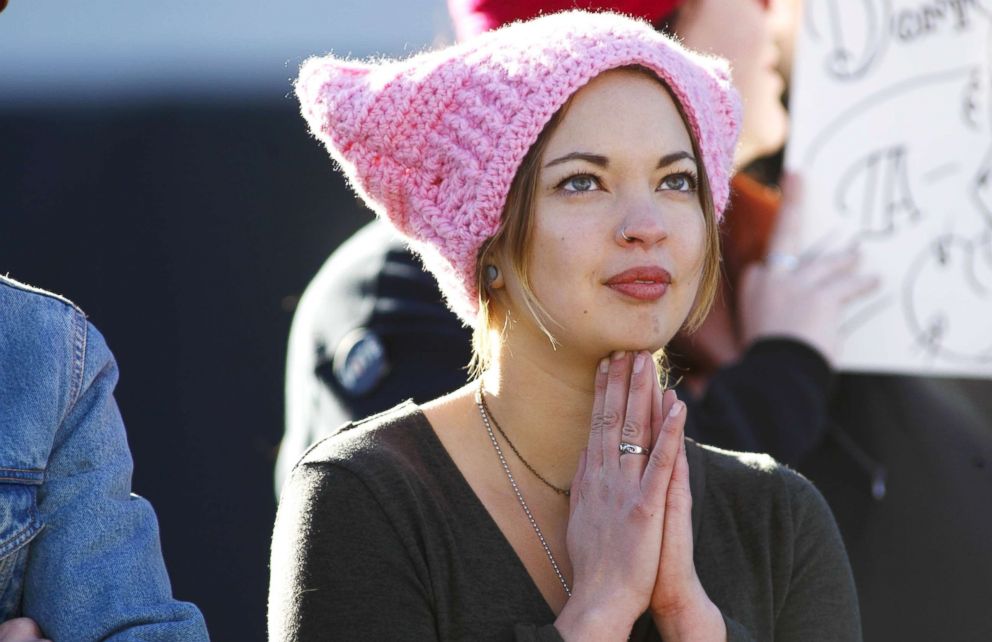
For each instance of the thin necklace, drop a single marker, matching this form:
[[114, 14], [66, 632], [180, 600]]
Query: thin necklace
[[516, 490], [561, 491]]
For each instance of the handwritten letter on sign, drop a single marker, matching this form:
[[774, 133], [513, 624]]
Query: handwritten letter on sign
[[892, 135]]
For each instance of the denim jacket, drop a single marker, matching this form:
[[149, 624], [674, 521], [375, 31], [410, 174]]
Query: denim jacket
[[78, 552]]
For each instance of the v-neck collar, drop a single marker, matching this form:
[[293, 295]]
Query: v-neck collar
[[468, 497]]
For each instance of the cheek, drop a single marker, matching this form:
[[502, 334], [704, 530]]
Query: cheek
[[562, 240], [693, 248], [566, 260]]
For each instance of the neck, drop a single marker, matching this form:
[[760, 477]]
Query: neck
[[542, 399]]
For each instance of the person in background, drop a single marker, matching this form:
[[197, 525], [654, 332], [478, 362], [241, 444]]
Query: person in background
[[900, 459], [80, 557], [562, 178]]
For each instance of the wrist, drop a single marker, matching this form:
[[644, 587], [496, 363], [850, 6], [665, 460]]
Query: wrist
[[595, 619], [698, 620]]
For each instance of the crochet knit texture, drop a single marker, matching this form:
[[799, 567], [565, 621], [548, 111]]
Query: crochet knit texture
[[432, 143]]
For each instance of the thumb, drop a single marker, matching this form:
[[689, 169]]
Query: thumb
[[676, 549]]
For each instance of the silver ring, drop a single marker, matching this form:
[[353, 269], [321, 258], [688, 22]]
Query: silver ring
[[782, 261], [632, 449], [623, 234]]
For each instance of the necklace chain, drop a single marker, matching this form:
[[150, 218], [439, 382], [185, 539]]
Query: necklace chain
[[561, 491], [483, 411]]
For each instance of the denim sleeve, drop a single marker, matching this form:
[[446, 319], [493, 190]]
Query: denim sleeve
[[96, 570]]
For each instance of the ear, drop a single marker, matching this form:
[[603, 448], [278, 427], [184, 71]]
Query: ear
[[492, 273]]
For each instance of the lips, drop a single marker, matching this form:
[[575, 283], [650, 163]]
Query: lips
[[644, 283]]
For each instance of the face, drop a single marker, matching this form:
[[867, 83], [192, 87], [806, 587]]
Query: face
[[618, 240], [748, 33]]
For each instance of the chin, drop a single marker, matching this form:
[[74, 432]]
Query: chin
[[765, 138], [632, 343], [776, 129]]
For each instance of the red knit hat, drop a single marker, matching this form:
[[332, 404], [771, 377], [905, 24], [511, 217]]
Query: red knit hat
[[472, 17]]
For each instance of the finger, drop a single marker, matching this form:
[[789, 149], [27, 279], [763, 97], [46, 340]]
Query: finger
[[661, 463], [661, 406], [637, 416], [786, 233], [667, 401], [594, 450], [580, 471], [750, 278], [829, 267], [852, 288], [614, 407], [676, 542]]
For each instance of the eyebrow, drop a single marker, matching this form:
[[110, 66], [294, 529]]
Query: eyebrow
[[603, 161], [595, 159], [670, 159]]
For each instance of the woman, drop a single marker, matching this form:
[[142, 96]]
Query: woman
[[756, 373], [562, 178]]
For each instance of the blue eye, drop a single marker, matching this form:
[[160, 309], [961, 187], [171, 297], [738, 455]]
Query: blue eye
[[579, 183], [680, 182]]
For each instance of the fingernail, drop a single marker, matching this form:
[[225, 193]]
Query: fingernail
[[604, 365], [676, 409], [638, 362], [617, 356]]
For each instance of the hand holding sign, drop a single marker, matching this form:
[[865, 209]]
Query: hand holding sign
[[891, 106], [800, 296]]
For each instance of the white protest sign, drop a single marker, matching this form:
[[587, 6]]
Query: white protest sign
[[892, 135]]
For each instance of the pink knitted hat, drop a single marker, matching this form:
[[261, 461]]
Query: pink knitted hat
[[432, 143]]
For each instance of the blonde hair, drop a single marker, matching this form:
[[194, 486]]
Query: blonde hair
[[513, 239]]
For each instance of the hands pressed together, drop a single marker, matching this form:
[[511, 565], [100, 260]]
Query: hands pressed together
[[630, 525]]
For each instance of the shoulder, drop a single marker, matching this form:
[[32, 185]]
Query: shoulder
[[754, 486], [743, 467], [381, 452], [383, 436], [50, 356], [30, 315], [43, 332], [42, 355], [764, 515], [767, 545], [383, 474]]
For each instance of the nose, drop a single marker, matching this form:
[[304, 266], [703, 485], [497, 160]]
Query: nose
[[644, 224]]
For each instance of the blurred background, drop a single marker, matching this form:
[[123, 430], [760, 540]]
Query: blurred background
[[155, 170]]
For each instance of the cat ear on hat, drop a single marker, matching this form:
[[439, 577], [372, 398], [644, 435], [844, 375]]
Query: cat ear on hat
[[336, 97], [333, 95]]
